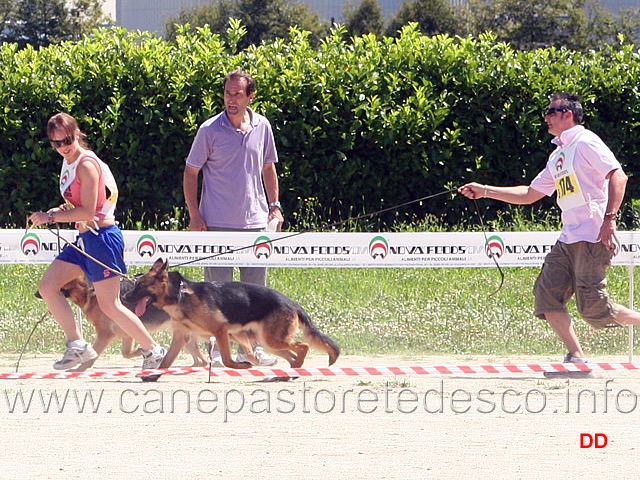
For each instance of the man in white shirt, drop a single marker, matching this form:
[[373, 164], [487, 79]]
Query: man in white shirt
[[590, 184]]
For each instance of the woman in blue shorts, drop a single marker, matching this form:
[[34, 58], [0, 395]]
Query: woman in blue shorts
[[90, 194]]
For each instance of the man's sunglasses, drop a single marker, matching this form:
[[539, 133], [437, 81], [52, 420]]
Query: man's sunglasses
[[553, 110], [64, 142]]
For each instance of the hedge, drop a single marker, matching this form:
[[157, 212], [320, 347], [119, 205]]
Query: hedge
[[361, 124]]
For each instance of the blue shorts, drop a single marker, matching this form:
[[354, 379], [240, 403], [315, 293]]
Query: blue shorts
[[107, 247]]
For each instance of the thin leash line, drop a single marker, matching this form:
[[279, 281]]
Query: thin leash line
[[239, 249], [492, 256], [24, 347], [395, 207], [330, 225], [320, 229], [60, 237]]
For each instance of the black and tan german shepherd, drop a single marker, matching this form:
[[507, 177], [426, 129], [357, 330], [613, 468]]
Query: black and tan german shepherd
[[80, 291], [246, 313]]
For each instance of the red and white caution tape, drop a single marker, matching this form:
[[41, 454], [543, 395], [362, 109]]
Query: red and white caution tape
[[338, 371]]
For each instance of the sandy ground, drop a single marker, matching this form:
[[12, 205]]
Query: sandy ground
[[419, 426]]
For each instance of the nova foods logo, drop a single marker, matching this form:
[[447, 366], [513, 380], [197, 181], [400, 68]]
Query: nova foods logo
[[64, 178], [30, 244], [147, 245], [378, 247], [494, 247], [262, 247]]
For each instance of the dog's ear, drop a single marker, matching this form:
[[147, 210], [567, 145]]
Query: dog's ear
[[158, 266]]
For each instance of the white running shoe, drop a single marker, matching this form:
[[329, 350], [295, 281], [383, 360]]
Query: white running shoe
[[214, 353], [216, 361], [570, 359], [74, 356], [152, 358], [263, 358]]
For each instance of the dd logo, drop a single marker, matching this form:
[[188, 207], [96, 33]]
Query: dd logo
[[597, 440]]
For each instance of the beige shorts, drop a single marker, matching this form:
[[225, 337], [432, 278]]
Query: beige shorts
[[576, 268]]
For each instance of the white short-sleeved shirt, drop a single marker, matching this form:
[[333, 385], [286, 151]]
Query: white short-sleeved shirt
[[592, 162], [231, 161]]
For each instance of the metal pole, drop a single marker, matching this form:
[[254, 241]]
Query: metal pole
[[630, 267], [79, 320]]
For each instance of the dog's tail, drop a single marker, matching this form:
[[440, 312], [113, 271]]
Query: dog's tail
[[316, 338]]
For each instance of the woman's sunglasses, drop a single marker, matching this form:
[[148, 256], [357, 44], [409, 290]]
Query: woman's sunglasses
[[64, 142]]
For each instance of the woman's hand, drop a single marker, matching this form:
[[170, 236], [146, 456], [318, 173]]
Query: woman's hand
[[40, 218]]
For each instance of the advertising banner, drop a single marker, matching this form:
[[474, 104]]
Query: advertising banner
[[332, 250]]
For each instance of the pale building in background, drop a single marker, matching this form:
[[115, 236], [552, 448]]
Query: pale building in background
[[151, 15], [109, 7]]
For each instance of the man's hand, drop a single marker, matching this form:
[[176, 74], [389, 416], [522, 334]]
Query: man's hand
[[197, 224], [473, 190], [607, 234]]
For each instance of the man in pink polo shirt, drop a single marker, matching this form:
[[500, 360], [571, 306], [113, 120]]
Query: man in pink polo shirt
[[589, 184], [236, 153]]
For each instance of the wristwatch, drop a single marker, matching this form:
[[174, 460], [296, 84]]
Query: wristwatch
[[275, 204]]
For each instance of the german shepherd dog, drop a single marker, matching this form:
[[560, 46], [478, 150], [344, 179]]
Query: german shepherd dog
[[80, 291], [246, 313]]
